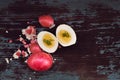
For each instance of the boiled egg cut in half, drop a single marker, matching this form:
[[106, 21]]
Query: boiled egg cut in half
[[47, 41], [66, 35]]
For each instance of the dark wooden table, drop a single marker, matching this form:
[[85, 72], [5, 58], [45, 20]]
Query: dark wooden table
[[95, 56]]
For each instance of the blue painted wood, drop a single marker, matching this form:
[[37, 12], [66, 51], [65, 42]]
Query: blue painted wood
[[95, 56]]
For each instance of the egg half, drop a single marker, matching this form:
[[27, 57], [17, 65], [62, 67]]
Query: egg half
[[47, 41], [66, 35]]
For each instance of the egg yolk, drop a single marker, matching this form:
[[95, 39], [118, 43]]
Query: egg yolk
[[64, 36], [48, 40]]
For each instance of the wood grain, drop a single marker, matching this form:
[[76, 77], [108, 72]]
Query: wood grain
[[95, 56]]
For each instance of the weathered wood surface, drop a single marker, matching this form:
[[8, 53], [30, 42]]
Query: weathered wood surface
[[95, 56]]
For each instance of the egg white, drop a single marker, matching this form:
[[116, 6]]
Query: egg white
[[41, 42], [70, 31]]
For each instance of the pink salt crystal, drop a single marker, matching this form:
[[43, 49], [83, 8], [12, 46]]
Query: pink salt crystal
[[28, 22], [7, 60], [22, 40], [28, 49], [6, 31], [10, 59], [10, 41], [29, 32], [25, 61], [17, 54], [24, 53], [26, 45]]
